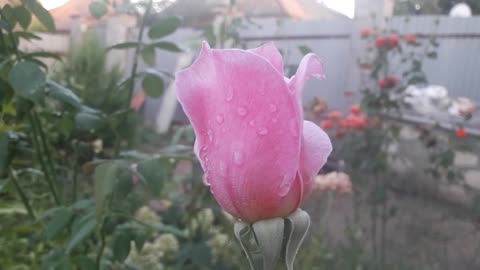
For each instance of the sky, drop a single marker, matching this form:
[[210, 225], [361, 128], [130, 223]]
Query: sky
[[49, 4], [346, 7]]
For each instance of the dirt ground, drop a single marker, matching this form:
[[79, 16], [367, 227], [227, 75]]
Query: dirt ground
[[425, 232]]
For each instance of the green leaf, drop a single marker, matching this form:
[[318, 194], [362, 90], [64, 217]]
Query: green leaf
[[48, 213], [140, 238], [304, 49], [4, 152], [432, 55], [59, 220], [148, 55], [299, 222], [9, 20], [152, 85], [154, 171], [164, 27], [167, 46], [27, 80], [269, 234], [26, 35], [85, 230], [105, 178], [97, 9], [200, 254], [125, 45], [87, 121], [42, 14], [121, 245], [82, 204], [64, 95], [23, 16], [85, 263], [43, 54]]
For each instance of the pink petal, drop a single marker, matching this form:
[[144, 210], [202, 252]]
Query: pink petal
[[270, 52], [248, 144], [310, 66], [316, 148]]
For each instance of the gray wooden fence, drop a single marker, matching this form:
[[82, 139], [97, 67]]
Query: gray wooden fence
[[338, 44]]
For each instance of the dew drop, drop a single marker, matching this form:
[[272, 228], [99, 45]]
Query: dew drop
[[210, 135], [285, 185], [219, 119], [262, 131], [251, 123], [241, 111], [229, 95], [203, 151], [273, 108], [237, 158], [222, 168]]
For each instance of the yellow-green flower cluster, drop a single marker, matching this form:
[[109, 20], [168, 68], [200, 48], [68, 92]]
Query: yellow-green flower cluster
[[147, 215], [164, 247]]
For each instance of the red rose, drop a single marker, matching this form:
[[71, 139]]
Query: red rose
[[388, 82], [380, 42], [326, 124], [356, 121], [460, 132], [365, 66], [392, 40], [382, 83], [348, 93], [355, 109], [334, 115], [410, 38], [365, 32], [392, 81]]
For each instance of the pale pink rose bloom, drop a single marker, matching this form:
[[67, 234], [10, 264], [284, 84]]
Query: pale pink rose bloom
[[258, 154], [335, 181]]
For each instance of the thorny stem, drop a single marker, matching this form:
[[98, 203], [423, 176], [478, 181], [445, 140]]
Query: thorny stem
[[36, 146], [75, 170], [102, 247], [45, 147], [383, 233], [23, 196], [131, 82]]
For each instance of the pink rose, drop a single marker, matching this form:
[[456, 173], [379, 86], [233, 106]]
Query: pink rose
[[258, 154]]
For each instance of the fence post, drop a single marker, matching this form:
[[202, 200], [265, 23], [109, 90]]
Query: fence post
[[75, 30], [116, 31]]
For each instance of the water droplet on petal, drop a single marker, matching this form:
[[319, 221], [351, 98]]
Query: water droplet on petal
[[222, 168], [219, 119], [238, 158], [210, 135], [285, 185], [229, 95], [273, 108], [262, 131], [241, 111], [252, 123], [203, 152]]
